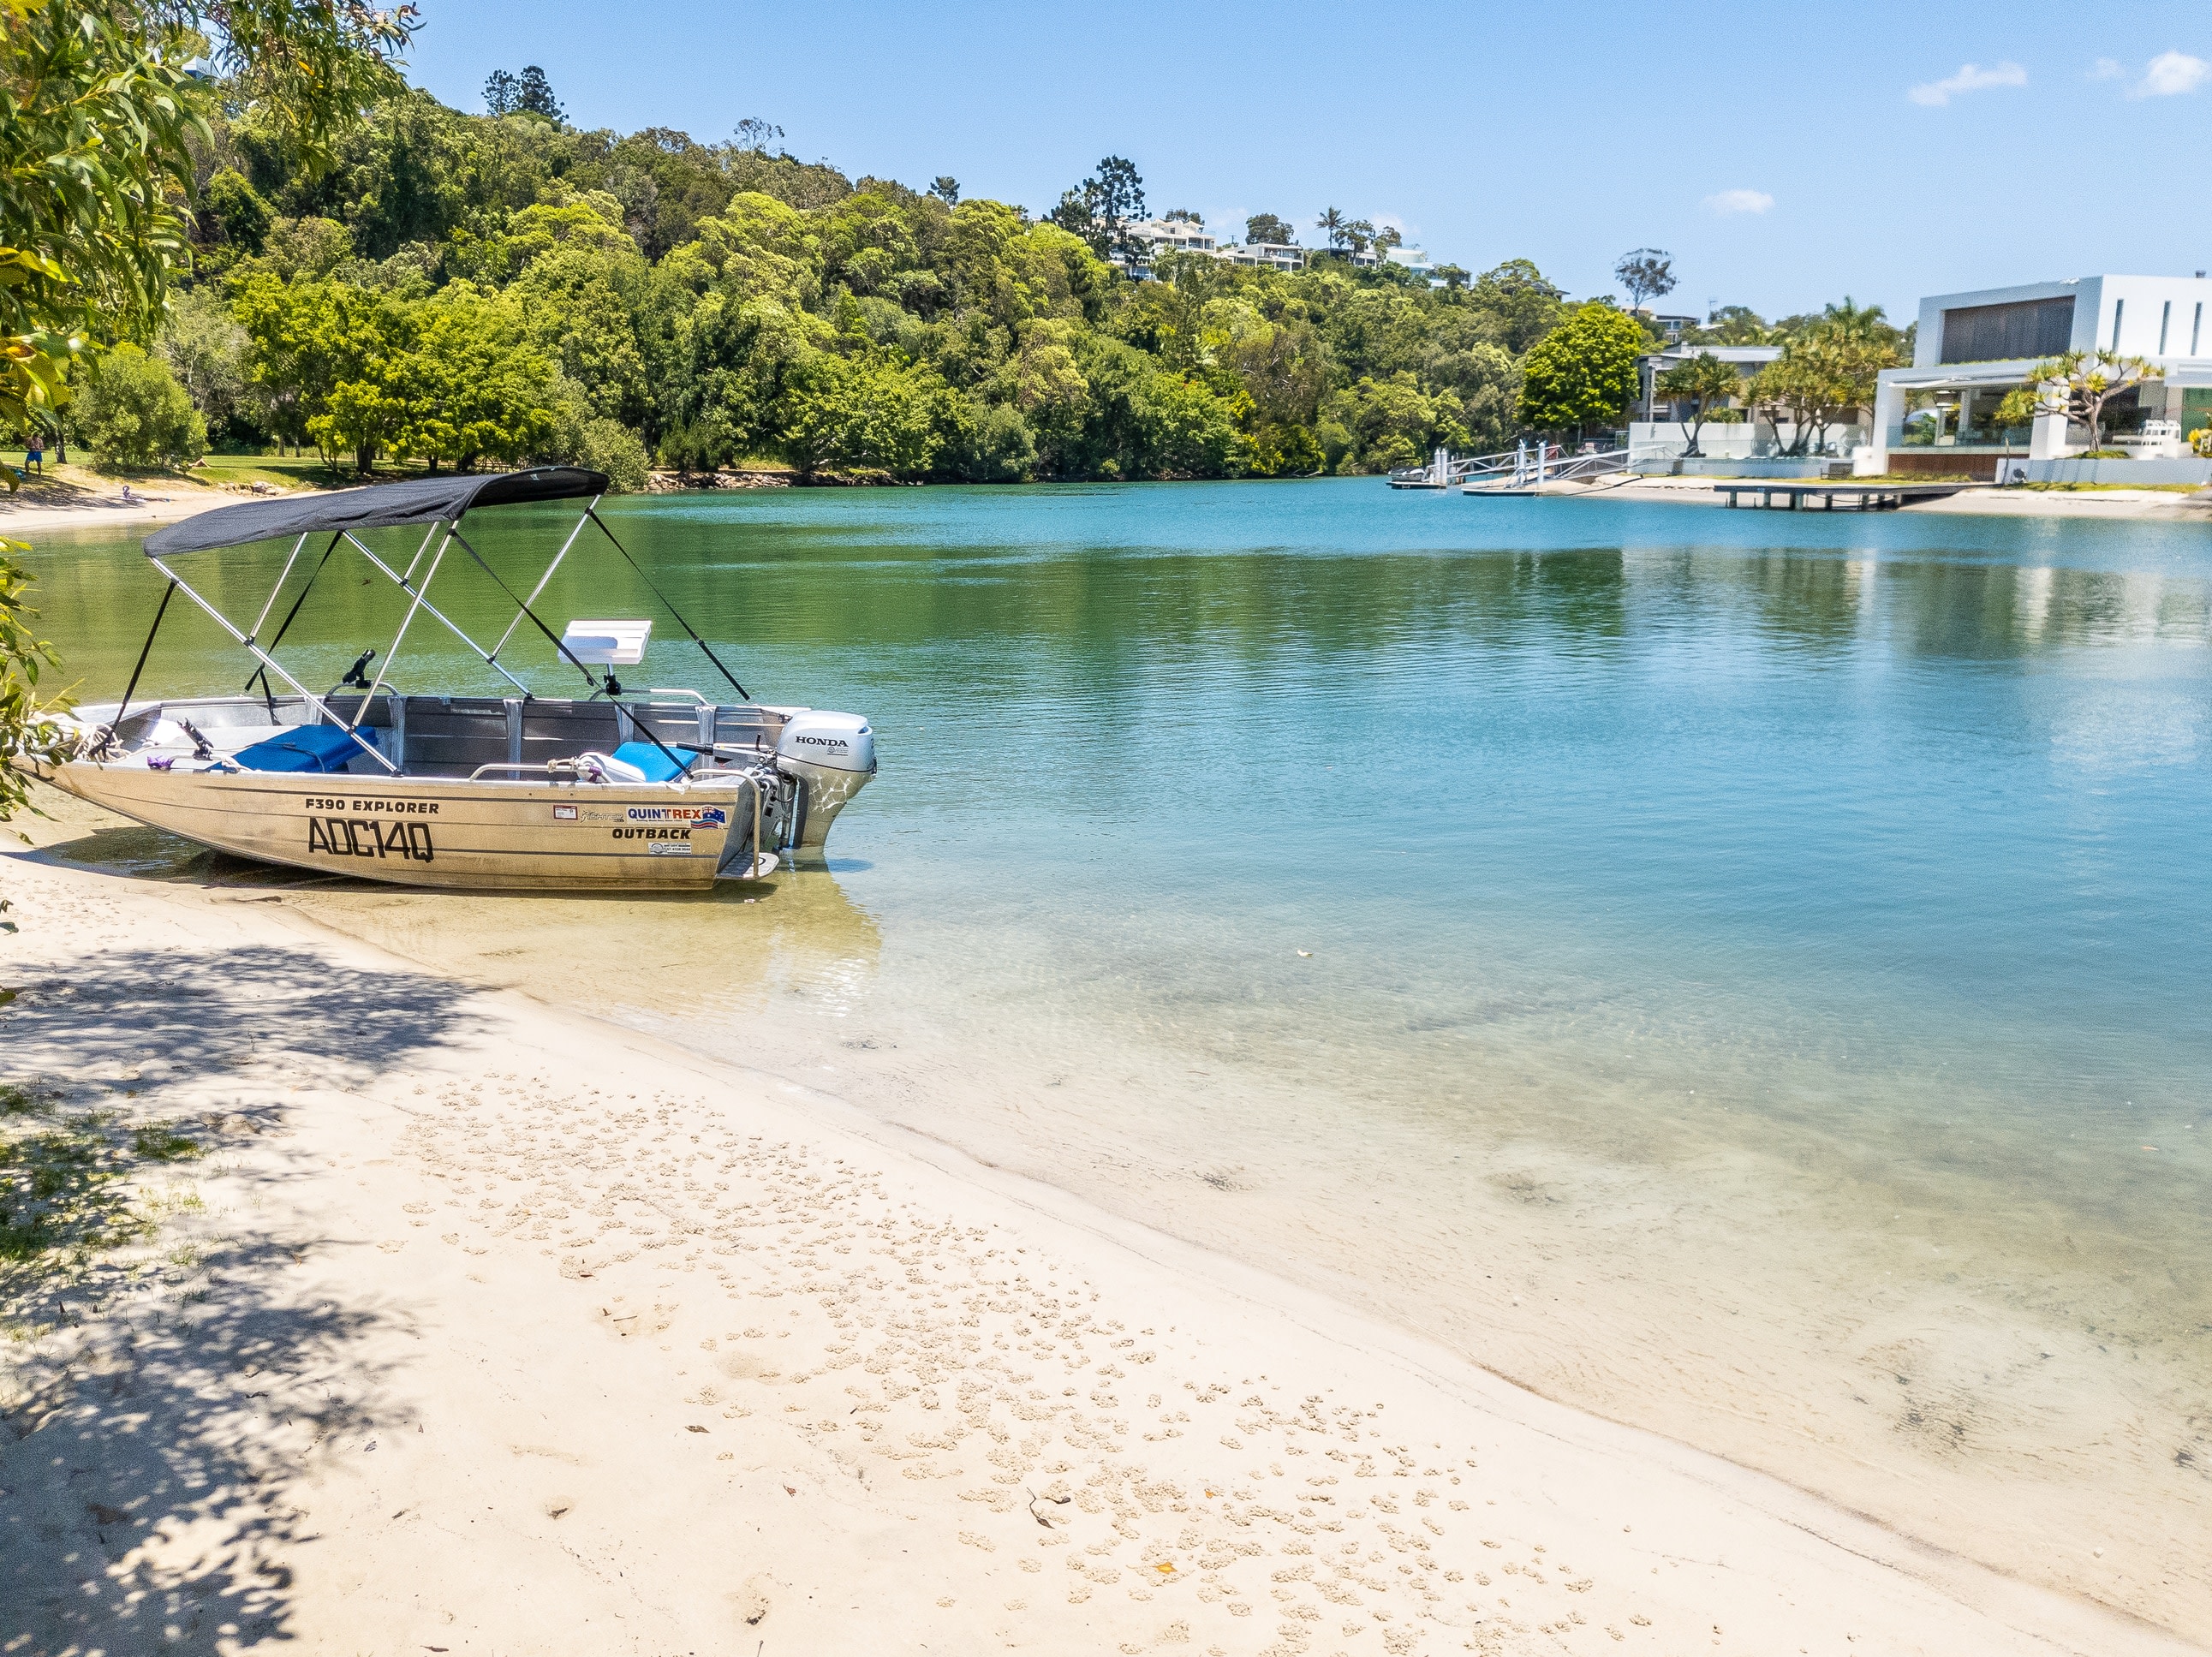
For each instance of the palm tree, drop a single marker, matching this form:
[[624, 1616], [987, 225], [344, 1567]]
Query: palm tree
[[1331, 224], [1704, 382]]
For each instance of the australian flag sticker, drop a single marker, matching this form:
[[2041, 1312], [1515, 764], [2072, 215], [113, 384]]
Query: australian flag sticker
[[714, 814]]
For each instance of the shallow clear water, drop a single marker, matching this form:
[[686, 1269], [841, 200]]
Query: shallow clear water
[[1766, 912]]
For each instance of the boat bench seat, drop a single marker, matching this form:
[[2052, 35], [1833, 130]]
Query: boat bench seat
[[301, 748]]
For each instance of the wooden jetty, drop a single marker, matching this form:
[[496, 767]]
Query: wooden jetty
[[1853, 497]]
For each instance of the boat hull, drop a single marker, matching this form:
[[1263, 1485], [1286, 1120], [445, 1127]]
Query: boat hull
[[440, 832]]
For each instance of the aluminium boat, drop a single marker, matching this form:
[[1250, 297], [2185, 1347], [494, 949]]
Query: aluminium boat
[[607, 790]]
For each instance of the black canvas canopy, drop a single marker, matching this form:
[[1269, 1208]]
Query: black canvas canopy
[[419, 501]]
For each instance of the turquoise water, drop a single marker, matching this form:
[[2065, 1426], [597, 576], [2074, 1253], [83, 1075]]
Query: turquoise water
[[1736, 891]]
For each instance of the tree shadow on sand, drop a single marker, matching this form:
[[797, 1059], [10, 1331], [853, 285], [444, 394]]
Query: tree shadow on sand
[[165, 1376]]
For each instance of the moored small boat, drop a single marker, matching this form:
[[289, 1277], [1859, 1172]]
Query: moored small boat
[[607, 791]]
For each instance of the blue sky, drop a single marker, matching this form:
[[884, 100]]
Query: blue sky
[[1785, 156]]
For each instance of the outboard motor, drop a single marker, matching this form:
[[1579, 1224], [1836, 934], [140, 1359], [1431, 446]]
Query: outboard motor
[[828, 757]]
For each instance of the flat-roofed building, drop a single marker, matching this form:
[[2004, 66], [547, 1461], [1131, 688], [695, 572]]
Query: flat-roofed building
[[1270, 255], [1971, 349]]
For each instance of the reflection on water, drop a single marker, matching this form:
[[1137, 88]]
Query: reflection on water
[[1748, 974]]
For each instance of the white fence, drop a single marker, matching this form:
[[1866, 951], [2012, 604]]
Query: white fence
[[1665, 439]]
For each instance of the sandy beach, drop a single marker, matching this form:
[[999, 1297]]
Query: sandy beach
[[431, 1318], [84, 500]]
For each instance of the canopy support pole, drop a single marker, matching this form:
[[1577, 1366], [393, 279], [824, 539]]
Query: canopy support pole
[[286, 626], [405, 622], [123, 706], [523, 605], [271, 665], [592, 513], [588, 517], [285, 576], [408, 587]]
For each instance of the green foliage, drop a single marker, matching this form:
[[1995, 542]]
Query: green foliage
[[134, 413], [160, 1142], [858, 413], [1826, 371], [234, 217], [1584, 373], [2081, 384], [26, 731], [1377, 425], [99, 115], [206, 348], [1704, 382]]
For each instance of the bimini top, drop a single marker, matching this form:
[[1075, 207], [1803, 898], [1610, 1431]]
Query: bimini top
[[419, 501]]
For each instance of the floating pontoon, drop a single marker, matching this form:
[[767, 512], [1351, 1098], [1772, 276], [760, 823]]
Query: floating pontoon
[[663, 791]]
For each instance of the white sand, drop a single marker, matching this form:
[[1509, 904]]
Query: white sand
[[41, 507], [495, 1328]]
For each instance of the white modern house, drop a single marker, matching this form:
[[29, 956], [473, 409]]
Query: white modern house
[[1170, 235], [1971, 349], [1268, 255]]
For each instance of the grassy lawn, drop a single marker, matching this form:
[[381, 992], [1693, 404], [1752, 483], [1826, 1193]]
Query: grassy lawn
[[286, 472]]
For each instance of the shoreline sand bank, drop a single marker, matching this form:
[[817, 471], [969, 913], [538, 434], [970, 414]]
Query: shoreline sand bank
[[105, 511], [680, 1352]]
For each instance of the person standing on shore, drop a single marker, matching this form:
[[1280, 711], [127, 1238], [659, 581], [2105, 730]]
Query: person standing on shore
[[34, 459]]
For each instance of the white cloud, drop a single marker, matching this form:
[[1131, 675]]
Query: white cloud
[[1971, 77], [1740, 201], [2106, 68], [2171, 73]]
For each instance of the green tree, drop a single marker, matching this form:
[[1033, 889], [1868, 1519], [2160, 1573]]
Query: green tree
[[875, 414], [1583, 374], [1732, 325], [27, 729], [1101, 207], [232, 216], [307, 338], [1645, 273], [527, 93], [2081, 385], [1517, 306], [1267, 228], [1706, 383], [206, 349], [134, 413], [1375, 425]]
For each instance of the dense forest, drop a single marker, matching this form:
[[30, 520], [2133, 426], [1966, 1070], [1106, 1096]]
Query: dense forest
[[461, 289]]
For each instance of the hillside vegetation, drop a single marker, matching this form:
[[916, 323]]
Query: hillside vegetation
[[460, 290]]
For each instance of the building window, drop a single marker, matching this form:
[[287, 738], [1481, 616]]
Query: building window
[[2119, 310], [1992, 333], [2196, 327], [2164, 318]]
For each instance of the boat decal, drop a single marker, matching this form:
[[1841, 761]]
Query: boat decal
[[564, 814], [677, 831], [365, 837], [674, 814], [668, 848], [395, 808]]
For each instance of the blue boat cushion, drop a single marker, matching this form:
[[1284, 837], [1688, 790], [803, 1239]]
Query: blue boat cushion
[[301, 748], [648, 758]]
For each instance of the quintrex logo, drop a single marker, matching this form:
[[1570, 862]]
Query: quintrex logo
[[364, 837], [701, 814]]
